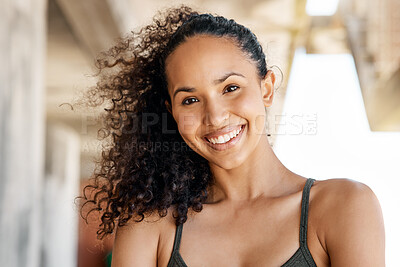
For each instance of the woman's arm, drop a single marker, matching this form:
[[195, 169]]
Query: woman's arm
[[354, 229], [136, 245]]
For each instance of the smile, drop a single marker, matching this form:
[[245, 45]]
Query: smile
[[219, 141], [224, 138]]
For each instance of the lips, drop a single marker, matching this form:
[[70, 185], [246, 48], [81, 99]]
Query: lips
[[224, 138], [223, 131]]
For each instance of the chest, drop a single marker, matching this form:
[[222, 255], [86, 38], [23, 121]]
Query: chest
[[249, 242], [246, 238]]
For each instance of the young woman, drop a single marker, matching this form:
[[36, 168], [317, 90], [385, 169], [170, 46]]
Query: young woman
[[190, 179]]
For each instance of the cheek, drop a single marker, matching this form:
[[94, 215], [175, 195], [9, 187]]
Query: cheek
[[252, 108], [259, 124], [187, 123]]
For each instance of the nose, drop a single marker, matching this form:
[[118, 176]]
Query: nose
[[216, 114]]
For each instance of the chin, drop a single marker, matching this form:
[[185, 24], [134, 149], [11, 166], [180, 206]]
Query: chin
[[227, 163]]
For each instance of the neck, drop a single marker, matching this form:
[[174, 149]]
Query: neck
[[259, 176]]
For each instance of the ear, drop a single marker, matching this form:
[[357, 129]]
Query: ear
[[267, 88], [168, 105]]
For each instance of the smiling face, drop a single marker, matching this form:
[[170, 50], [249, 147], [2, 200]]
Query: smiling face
[[217, 99]]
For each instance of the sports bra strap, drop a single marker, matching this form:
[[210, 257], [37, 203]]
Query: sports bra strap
[[304, 211], [178, 235]]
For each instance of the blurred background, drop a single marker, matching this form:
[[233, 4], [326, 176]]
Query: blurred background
[[336, 112]]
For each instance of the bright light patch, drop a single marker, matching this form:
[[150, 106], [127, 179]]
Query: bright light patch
[[321, 7], [324, 133]]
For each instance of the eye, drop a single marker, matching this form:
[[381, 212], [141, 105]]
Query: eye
[[189, 101], [231, 88]]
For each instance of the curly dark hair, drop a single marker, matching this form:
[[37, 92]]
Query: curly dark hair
[[146, 166]]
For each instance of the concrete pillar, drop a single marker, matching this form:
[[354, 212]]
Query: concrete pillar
[[22, 123], [61, 186]]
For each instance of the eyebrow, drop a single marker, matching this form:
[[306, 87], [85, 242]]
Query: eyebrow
[[217, 81]]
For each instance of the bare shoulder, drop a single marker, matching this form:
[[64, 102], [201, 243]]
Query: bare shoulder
[[350, 222], [136, 243], [343, 188], [343, 195]]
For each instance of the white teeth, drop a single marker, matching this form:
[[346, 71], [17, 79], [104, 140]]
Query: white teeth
[[224, 138]]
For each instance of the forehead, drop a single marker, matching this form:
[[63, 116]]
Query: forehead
[[204, 57]]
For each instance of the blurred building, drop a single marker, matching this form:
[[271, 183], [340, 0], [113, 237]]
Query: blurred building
[[374, 36]]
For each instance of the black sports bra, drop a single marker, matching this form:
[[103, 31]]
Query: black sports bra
[[301, 258]]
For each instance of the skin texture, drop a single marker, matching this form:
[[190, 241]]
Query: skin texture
[[252, 215]]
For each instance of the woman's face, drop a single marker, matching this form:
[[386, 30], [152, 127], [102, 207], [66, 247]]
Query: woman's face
[[218, 99]]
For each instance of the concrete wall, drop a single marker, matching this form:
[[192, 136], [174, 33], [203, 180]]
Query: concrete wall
[[22, 122], [61, 186]]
